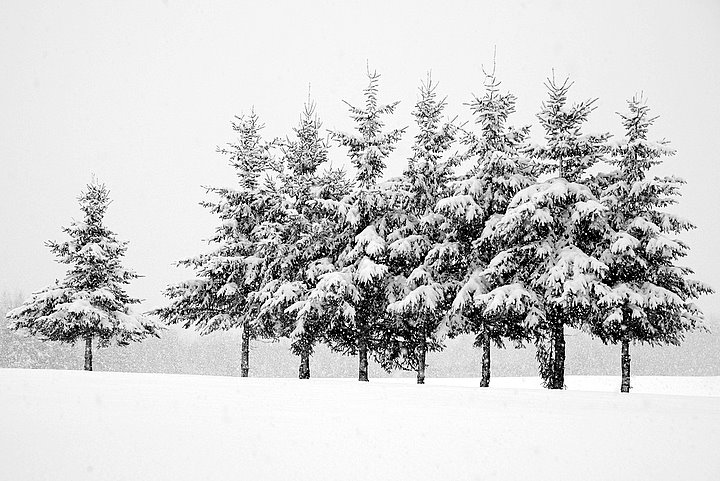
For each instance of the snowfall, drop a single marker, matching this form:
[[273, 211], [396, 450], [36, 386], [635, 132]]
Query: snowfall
[[76, 425]]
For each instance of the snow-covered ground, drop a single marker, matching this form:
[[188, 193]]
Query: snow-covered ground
[[74, 425], [673, 385]]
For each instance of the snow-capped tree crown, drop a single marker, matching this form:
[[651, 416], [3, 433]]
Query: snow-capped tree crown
[[630, 193], [91, 299], [369, 150], [567, 151], [226, 276], [430, 168], [499, 171], [417, 288], [308, 151], [491, 112], [546, 269], [249, 155], [649, 296], [309, 235]]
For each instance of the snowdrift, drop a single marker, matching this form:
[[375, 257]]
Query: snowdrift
[[75, 425]]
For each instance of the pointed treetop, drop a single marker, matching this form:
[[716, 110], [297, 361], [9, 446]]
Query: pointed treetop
[[634, 154], [94, 200], [568, 150], [308, 151], [249, 155], [426, 169], [492, 111], [371, 147]]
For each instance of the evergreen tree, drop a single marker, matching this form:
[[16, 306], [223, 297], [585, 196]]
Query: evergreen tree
[[90, 302], [352, 293], [227, 276], [307, 244], [420, 291], [547, 271], [476, 203], [650, 296]]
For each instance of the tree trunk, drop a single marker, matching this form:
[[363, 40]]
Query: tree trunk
[[304, 371], [558, 356], [625, 361], [88, 352], [422, 355], [245, 359], [362, 358], [485, 379]]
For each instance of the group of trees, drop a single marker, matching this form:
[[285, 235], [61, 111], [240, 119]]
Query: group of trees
[[484, 233]]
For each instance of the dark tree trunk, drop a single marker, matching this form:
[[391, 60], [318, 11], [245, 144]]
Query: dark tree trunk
[[304, 371], [558, 357], [485, 345], [88, 352], [362, 358], [245, 359], [625, 361], [422, 355]]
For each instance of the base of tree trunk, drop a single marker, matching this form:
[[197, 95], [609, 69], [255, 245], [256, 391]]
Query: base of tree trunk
[[485, 379], [625, 365], [245, 356], [558, 359], [88, 353], [304, 371], [422, 354], [362, 361]]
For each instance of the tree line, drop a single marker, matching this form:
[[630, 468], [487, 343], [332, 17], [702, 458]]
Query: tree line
[[484, 233]]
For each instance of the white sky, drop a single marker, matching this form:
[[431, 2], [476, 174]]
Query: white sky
[[141, 93]]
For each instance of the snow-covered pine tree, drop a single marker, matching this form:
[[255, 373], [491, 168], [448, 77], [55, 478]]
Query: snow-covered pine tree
[[352, 291], [90, 302], [419, 289], [477, 200], [547, 271], [227, 276], [650, 295], [308, 241]]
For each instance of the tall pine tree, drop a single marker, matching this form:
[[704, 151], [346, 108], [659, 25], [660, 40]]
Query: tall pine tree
[[227, 276], [420, 291], [547, 271], [650, 295], [307, 244], [90, 303], [476, 203], [352, 293]]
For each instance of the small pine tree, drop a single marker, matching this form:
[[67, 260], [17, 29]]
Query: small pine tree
[[90, 302], [419, 287], [649, 299], [219, 298], [476, 203]]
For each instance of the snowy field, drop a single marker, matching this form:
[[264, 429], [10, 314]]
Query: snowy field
[[75, 425]]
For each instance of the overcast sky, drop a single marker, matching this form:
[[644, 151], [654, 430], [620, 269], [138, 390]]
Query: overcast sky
[[141, 93]]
